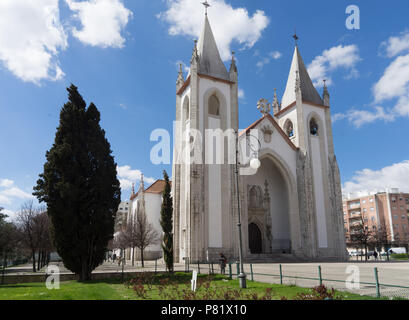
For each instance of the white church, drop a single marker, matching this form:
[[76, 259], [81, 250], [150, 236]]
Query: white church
[[291, 206]]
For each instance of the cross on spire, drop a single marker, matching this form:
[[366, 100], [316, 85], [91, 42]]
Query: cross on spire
[[206, 5], [295, 37]]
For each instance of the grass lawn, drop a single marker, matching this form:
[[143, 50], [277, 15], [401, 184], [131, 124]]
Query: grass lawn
[[159, 288], [400, 256]]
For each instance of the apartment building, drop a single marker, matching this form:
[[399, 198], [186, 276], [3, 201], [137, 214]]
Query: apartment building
[[386, 212]]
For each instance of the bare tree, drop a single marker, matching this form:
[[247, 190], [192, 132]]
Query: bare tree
[[42, 227], [129, 236], [361, 235], [34, 228], [382, 238], [8, 241], [146, 234]]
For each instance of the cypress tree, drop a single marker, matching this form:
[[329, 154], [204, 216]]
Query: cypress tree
[[167, 224], [80, 187]]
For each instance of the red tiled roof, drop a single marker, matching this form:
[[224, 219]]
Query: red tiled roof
[[156, 188], [275, 124]]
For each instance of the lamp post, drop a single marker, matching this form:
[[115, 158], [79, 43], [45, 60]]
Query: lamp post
[[255, 164]]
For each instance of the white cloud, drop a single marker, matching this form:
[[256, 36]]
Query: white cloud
[[394, 176], [394, 81], [31, 36], [102, 22], [127, 176], [228, 24], [10, 193], [274, 55], [241, 94], [396, 45], [392, 85], [6, 183], [10, 214], [339, 57], [360, 117]]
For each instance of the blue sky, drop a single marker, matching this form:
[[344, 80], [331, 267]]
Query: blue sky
[[123, 56]]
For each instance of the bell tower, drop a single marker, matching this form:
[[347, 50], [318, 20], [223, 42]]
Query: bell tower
[[206, 105], [305, 117]]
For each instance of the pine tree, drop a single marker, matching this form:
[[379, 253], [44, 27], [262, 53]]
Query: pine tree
[[167, 224], [80, 187]]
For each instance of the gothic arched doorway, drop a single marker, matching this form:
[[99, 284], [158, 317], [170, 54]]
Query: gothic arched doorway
[[255, 239]]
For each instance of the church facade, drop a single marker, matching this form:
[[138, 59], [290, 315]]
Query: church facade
[[290, 205]]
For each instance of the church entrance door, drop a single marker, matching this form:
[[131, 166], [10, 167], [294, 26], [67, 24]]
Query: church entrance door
[[255, 239]]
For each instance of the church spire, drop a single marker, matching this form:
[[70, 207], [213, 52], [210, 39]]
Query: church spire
[[210, 62], [325, 95], [298, 70], [181, 79], [276, 104], [141, 185]]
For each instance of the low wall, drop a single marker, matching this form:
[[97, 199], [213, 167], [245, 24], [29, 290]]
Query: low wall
[[37, 278]]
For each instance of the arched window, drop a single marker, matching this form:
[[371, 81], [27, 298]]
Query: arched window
[[313, 127], [255, 197], [214, 106], [186, 109], [289, 129]]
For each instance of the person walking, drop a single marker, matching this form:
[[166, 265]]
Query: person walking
[[375, 254], [223, 262]]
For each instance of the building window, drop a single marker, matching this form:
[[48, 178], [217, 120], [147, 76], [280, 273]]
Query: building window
[[313, 127], [371, 200], [393, 199], [186, 109], [372, 209], [289, 128], [214, 106], [363, 201]]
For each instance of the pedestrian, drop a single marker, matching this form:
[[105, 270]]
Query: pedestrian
[[375, 254], [223, 262]]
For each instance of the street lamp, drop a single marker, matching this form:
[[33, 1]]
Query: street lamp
[[254, 164]]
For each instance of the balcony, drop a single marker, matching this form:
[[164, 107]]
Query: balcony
[[355, 215], [355, 205]]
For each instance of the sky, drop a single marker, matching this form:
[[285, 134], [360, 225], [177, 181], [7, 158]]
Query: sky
[[123, 55]]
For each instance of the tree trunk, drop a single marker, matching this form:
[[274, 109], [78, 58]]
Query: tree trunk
[[143, 264], [85, 274], [4, 268], [34, 260], [133, 256], [39, 260]]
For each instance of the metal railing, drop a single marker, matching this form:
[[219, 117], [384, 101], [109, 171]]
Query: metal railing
[[374, 289]]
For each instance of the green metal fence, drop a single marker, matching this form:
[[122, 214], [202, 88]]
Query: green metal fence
[[375, 289]]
